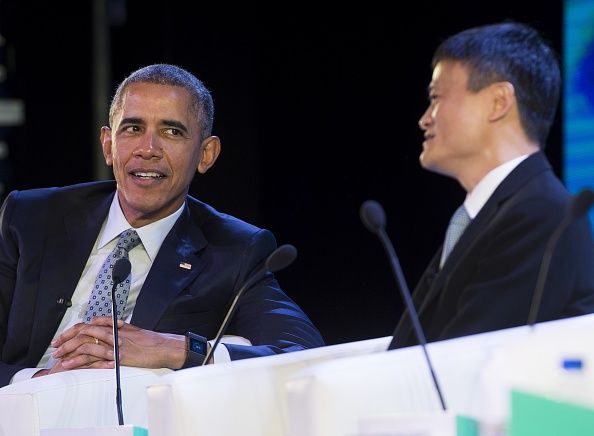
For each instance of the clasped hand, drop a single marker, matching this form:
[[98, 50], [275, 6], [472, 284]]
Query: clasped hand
[[91, 346]]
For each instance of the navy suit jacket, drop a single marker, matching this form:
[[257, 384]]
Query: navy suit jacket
[[487, 281], [46, 236]]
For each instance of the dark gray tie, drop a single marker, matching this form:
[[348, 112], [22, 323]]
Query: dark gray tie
[[100, 300], [458, 224]]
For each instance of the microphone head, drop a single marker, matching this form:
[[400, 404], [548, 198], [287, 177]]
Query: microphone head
[[281, 258], [373, 216], [121, 270], [581, 203]]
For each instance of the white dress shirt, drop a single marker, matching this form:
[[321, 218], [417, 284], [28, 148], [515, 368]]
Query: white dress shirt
[[478, 197]]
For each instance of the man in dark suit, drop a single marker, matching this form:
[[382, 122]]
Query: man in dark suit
[[187, 259], [493, 97]]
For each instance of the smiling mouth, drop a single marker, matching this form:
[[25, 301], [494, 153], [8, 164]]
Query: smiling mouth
[[147, 175], [426, 139]]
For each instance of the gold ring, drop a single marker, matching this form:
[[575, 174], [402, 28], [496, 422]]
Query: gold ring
[[96, 341]]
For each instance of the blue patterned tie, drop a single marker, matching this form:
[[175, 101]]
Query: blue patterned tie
[[100, 301], [458, 224]]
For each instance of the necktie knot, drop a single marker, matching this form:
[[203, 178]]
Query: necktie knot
[[458, 224], [128, 240]]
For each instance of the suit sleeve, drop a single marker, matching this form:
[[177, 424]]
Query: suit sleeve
[[9, 255], [266, 316]]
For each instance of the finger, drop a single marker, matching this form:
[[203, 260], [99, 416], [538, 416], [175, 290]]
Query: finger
[[67, 335], [103, 364], [90, 353], [104, 321], [86, 342], [99, 332], [100, 364], [84, 361], [72, 345]]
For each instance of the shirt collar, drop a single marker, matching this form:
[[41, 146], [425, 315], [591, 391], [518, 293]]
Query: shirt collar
[[476, 199], [152, 235]]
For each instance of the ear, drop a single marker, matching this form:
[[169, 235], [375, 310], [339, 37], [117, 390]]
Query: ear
[[211, 147], [106, 145], [503, 99]]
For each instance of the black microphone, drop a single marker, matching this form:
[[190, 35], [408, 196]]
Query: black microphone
[[119, 272], [373, 216], [63, 303], [579, 206], [279, 259]]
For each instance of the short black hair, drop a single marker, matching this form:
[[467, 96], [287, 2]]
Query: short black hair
[[165, 74], [516, 53]]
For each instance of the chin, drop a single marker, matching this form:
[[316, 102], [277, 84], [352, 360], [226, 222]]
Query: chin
[[430, 164], [425, 160], [144, 207]]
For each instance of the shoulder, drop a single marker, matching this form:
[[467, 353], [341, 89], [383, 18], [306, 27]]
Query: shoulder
[[219, 227], [530, 207], [533, 190], [49, 203], [66, 194]]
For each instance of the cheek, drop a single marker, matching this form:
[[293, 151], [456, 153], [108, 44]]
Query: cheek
[[457, 118], [121, 151], [116, 158], [185, 164]]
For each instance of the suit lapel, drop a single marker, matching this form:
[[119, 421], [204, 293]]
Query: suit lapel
[[470, 237], [67, 250], [176, 266]]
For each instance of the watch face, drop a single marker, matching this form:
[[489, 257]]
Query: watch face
[[197, 344]]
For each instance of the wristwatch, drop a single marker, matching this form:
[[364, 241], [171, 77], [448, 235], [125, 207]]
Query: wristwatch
[[196, 346]]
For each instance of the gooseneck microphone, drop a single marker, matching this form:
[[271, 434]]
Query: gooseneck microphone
[[279, 259], [374, 218], [579, 206], [120, 271]]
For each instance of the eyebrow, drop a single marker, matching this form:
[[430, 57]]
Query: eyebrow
[[169, 123], [176, 124], [132, 120]]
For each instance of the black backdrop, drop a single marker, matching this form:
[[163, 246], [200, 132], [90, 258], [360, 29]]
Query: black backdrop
[[317, 112]]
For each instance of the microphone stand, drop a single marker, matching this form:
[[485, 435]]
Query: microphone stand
[[374, 218], [116, 352], [279, 259], [119, 272]]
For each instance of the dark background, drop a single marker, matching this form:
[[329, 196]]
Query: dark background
[[317, 109]]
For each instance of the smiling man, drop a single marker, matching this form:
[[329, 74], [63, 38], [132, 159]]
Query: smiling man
[[58, 246], [493, 97]]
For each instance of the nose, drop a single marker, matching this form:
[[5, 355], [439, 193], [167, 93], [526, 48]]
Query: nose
[[425, 119], [150, 147]]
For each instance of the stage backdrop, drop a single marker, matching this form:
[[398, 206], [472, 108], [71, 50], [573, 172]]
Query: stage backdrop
[[578, 108]]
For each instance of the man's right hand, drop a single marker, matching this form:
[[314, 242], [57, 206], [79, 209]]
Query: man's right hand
[[82, 350]]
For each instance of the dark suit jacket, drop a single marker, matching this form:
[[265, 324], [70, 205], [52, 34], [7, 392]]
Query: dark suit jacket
[[487, 282], [46, 236]]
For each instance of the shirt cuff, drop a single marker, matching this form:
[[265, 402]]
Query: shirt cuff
[[221, 354], [26, 374]]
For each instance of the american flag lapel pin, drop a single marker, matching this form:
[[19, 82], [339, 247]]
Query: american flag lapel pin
[[185, 265]]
